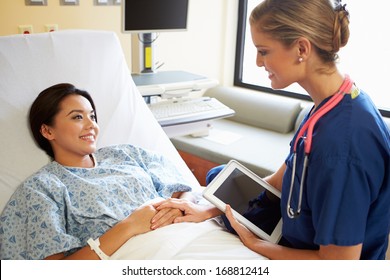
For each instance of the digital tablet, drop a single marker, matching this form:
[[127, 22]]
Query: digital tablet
[[255, 203]]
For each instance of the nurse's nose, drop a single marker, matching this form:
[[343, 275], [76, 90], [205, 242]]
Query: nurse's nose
[[259, 60]]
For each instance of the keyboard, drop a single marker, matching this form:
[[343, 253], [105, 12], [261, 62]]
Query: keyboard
[[181, 111]]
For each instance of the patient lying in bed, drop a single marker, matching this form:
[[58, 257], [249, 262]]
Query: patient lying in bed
[[93, 60], [91, 204], [97, 204], [83, 193]]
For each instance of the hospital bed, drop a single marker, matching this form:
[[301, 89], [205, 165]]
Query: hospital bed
[[94, 61]]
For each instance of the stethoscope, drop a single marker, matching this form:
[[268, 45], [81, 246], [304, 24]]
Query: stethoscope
[[308, 129]]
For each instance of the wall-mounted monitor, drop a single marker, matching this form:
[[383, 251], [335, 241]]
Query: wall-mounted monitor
[[153, 16], [147, 18]]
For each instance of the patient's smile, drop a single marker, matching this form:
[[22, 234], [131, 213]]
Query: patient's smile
[[89, 137]]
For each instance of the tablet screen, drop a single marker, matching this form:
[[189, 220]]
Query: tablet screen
[[251, 200]]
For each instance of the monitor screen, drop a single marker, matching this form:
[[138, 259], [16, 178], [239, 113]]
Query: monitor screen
[[149, 16]]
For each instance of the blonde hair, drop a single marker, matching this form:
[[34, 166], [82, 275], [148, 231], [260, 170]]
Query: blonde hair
[[325, 25]]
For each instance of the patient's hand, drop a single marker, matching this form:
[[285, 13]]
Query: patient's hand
[[140, 220], [191, 212]]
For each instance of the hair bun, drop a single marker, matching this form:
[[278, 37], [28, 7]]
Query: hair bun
[[341, 27]]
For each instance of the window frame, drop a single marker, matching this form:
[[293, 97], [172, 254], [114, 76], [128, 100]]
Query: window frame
[[239, 60]]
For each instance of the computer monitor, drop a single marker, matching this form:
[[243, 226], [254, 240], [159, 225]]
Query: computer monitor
[[149, 17]]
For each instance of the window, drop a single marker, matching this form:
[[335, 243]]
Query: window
[[366, 58]]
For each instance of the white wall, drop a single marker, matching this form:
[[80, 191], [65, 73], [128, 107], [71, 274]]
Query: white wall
[[206, 48]]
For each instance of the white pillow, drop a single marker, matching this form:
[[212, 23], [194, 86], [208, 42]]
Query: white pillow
[[91, 60]]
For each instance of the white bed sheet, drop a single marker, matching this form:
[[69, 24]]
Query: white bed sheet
[[183, 241]]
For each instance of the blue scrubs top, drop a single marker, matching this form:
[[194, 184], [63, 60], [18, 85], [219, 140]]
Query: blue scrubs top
[[346, 195]]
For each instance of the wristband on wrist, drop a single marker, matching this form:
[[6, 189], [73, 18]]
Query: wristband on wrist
[[94, 244]]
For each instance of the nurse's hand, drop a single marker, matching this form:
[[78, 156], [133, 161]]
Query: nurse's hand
[[165, 216], [191, 212], [247, 237]]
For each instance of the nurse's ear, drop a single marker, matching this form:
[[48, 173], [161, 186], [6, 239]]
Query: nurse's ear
[[304, 48], [47, 132]]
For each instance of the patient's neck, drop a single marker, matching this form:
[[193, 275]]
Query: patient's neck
[[87, 161]]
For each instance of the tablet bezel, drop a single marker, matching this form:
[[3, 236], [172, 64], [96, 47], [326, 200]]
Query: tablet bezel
[[209, 194]]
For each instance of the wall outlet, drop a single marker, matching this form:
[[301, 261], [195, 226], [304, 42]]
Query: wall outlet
[[36, 2], [69, 2], [107, 2], [51, 27], [25, 29]]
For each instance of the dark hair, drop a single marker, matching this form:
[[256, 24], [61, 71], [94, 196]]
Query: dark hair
[[46, 106]]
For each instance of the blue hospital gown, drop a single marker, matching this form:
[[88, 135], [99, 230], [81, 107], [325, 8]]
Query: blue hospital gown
[[59, 208]]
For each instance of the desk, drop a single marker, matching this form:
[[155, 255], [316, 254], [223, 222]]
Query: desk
[[169, 84]]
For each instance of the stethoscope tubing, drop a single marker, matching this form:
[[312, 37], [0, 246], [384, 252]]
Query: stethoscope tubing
[[308, 128]]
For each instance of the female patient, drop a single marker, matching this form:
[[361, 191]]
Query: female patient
[[83, 195], [345, 208]]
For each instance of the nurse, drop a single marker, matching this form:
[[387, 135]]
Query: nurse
[[337, 204]]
